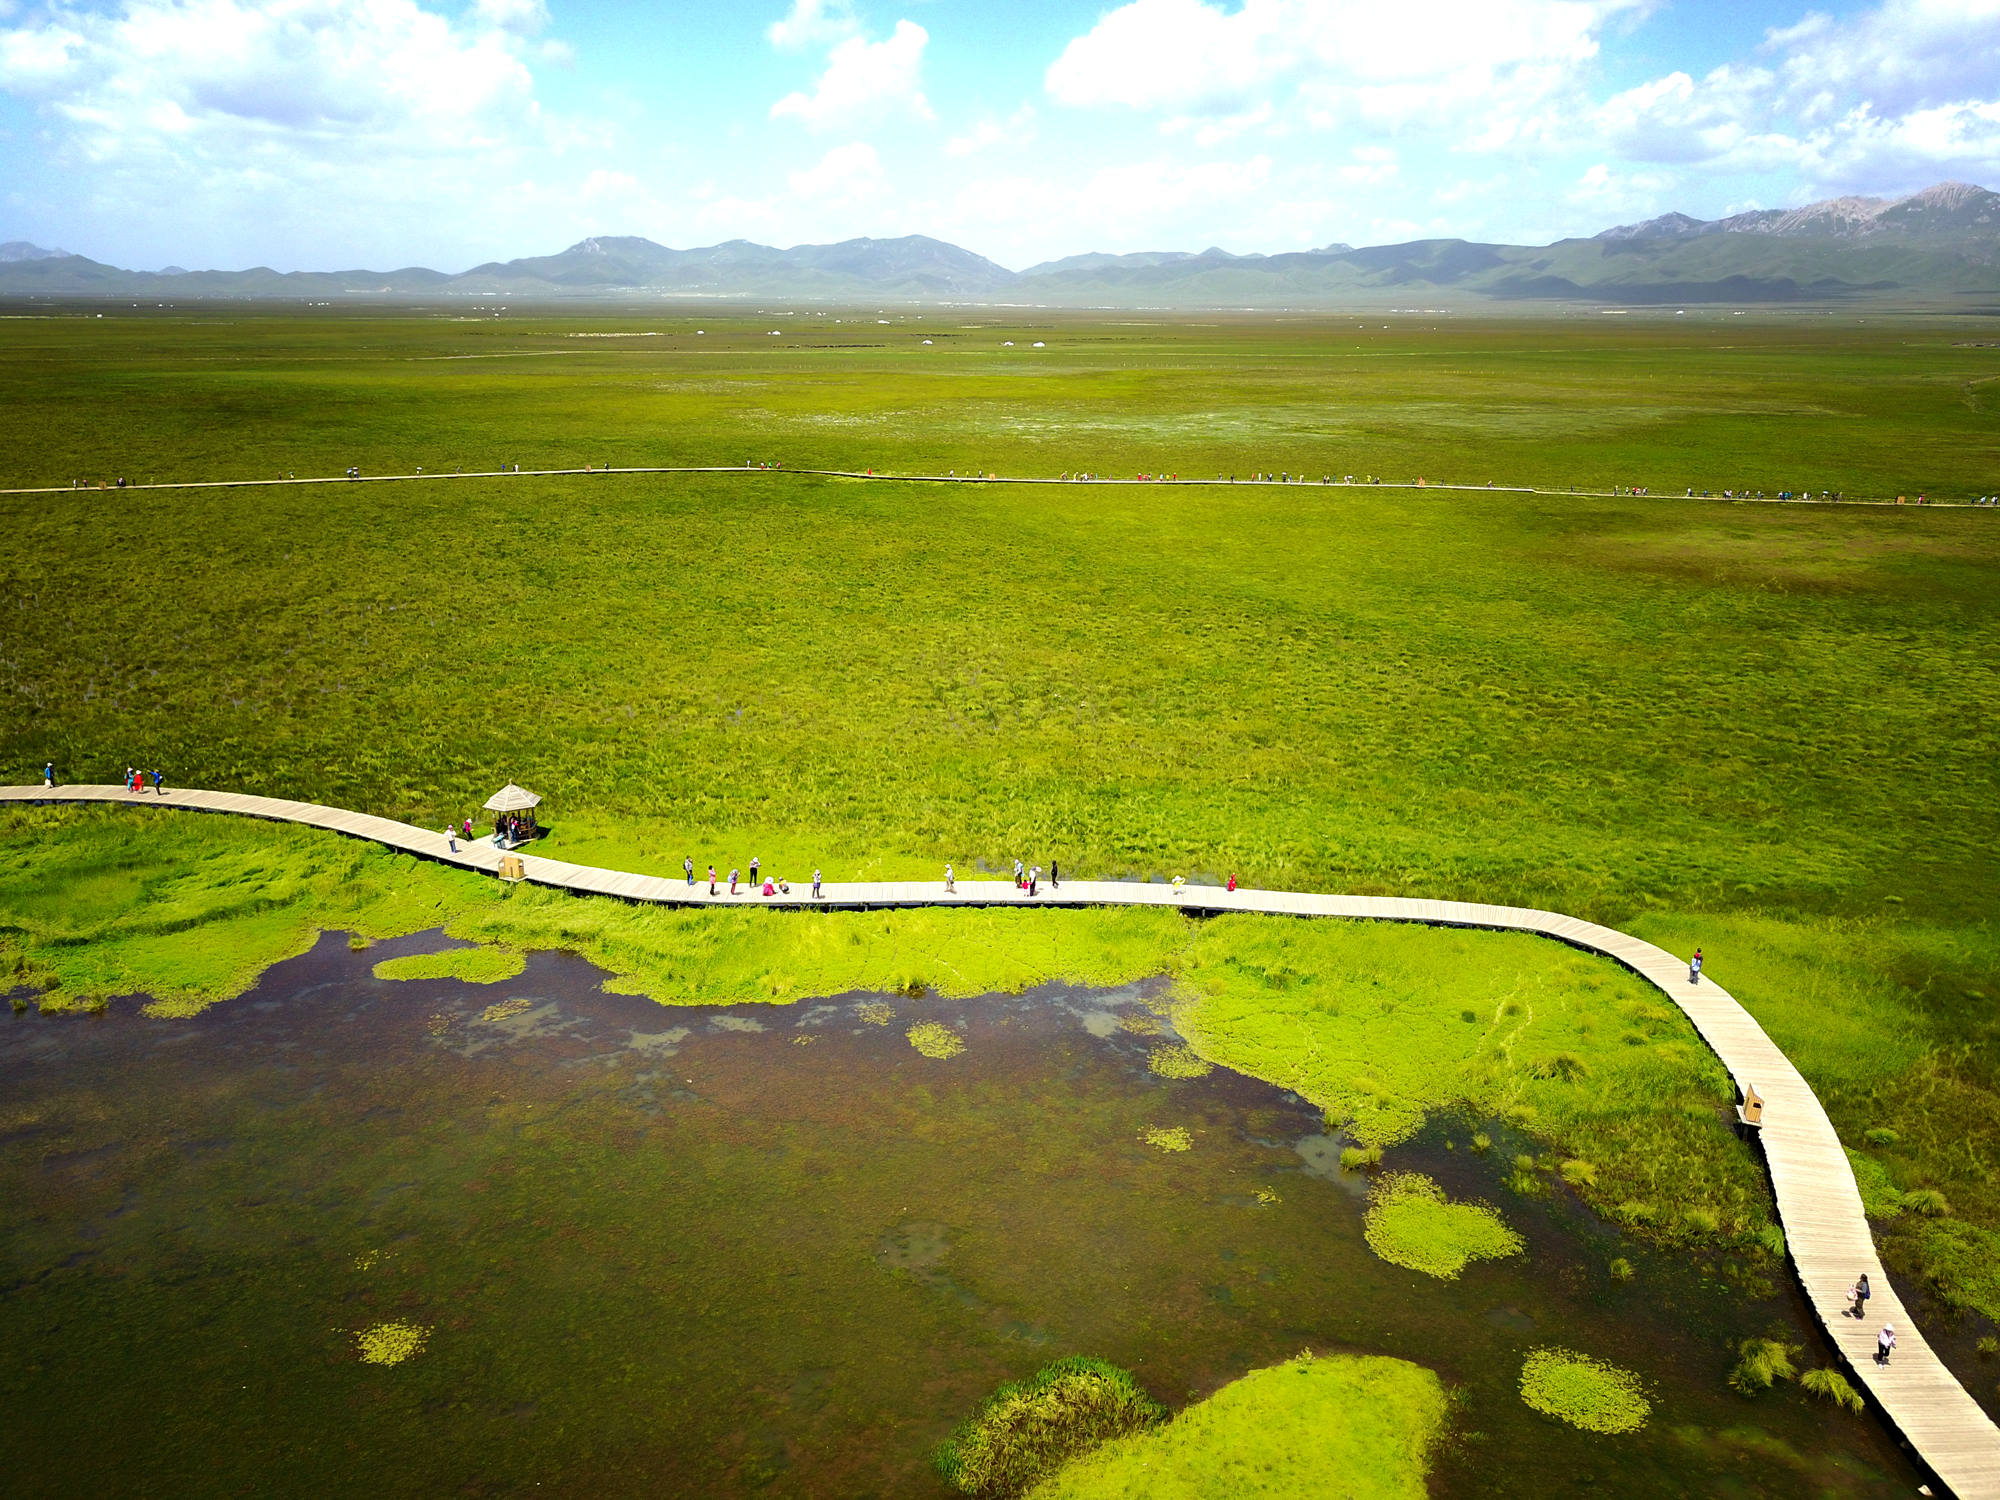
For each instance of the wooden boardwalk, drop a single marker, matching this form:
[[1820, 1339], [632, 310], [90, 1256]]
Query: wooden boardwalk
[[876, 476], [1818, 1202]]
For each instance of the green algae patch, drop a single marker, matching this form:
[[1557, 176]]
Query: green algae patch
[[391, 1343], [473, 965], [1176, 1061], [934, 1040], [1412, 1224], [1360, 1426], [1028, 1429], [1169, 1137], [1584, 1392]]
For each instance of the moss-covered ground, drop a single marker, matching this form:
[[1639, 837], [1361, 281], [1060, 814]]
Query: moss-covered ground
[[1354, 1425]]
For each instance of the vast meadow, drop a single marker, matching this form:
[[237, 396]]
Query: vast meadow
[[1769, 730]]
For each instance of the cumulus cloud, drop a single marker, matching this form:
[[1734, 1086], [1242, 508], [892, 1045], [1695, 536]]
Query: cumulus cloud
[[864, 81], [1339, 59], [1877, 100], [225, 76], [810, 22]]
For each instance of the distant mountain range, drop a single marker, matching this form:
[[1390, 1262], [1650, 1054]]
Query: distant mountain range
[[1939, 247]]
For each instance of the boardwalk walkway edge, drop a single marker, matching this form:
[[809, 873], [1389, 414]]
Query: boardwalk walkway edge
[[1819, 1205]]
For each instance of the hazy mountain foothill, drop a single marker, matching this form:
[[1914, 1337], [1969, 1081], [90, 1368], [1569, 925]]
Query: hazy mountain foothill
[[1938, 247]]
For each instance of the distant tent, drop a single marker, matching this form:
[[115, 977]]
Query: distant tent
[[512, 798]]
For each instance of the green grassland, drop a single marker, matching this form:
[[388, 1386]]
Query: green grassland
[[1770, 731], [1367, 1424], [1714, 400]]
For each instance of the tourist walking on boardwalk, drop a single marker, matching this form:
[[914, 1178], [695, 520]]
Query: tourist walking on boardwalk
[[732, 882], [753, 869], [468, 830], [451, 838], [1055, 883], [711, 880], [1034, 879], [687, 864], [1020, 870], [816, 895], [1178, 883], [1885, 1343], [1694, 968], [1232, 882], [49, 775], [159, 777], [1861, 1295], [950, 882]]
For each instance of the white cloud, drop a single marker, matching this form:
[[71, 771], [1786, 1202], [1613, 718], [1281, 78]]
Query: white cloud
[[1017, 130], [846, 173], [1342, 59], [1213, 130], [525, 16], [230, 76], [864, 81], [1877, 101], [812, 21]]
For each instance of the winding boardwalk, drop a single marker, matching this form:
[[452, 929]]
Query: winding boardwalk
[[1818, 1203]]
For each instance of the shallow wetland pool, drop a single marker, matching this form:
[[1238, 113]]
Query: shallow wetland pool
[[752, 1249]]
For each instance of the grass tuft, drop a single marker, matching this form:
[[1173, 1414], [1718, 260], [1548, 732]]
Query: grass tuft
[[1028, 1429]]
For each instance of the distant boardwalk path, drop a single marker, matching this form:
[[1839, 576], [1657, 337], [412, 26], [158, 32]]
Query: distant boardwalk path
[[1818, 1203], [872, 476]]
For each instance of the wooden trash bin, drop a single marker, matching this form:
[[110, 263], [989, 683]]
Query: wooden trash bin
[[511, 869], [1751, 1111]]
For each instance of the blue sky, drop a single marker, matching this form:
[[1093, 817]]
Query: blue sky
[[335, 133]]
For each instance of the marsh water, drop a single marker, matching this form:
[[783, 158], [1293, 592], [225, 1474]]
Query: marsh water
[[752, 1250]]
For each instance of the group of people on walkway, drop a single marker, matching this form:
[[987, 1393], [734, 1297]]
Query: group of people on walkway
[[135, 779], [760, 884]]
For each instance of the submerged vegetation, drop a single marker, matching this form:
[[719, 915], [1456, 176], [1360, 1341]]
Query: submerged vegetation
[[1363, 1427], [391, 1343], [1412, 1224], [935, 1041], [1028, 1429], [1584, 1392], [1177, 1062]]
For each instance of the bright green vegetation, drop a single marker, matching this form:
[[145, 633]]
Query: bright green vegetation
[[1832, 1386], [1770, 731], [1362, 1019], [1028, 1429], [1365, 1425], [1176, 1061], [1762, 1363], [1870, 409], [935, 1041], [1411, 1223], [474, 965], [1367, 1020], [1584, 1392]]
